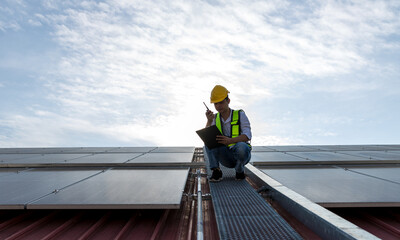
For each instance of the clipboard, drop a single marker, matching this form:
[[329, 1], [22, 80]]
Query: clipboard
[[209, 136]]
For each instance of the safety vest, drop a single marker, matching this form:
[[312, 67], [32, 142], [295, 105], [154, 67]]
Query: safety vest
[[235, 124]]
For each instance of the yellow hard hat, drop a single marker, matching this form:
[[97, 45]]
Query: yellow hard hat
[[218, 94]]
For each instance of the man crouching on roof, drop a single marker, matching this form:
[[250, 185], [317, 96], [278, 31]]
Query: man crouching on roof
[[236, 135]]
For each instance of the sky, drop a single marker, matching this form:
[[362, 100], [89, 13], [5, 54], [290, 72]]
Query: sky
[[136, 73]]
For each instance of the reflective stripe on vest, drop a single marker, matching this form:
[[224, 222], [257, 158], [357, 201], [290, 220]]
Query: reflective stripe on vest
[[235, 125]]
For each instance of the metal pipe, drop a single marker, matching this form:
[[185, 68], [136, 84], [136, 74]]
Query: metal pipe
[[199, 208]]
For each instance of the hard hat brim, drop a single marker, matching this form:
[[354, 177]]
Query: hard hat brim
[[218, 100]]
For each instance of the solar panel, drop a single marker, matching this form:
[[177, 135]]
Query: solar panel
[[46, 158], [336, 187], [261, 149], [374, 147], [120, 189], [326, 156], [379, 155], [88, 150], [43, 150], [106, 158], [329, 147], [394, 152], [131, 149], [18, 189], [10, 157], [392, 147], [351, 147], [10, 171], [22, 150], [158, 157], [291, 148], [386, 174], [273, 157], [174, 150]]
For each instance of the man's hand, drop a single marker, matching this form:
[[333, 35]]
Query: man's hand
[[227, 140], [210, 117], [224, 140]]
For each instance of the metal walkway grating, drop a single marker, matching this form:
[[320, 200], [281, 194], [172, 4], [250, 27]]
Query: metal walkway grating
[[242, 213]]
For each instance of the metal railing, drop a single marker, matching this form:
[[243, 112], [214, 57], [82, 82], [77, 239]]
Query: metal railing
[[199, 208]]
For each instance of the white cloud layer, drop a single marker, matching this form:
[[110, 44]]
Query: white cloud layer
[[136, 72]]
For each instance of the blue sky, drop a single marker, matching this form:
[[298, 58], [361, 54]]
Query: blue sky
[[135, 73]]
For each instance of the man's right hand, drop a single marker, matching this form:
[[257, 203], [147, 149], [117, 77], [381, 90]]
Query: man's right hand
[[210, 117]]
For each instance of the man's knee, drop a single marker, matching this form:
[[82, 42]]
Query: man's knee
[[242, 146], [242, 150]]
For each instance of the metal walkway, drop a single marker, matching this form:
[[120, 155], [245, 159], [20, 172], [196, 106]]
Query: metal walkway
[[242, 213]]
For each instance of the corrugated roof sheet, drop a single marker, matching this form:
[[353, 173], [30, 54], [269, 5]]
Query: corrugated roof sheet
[[382, 222], [91, 224]]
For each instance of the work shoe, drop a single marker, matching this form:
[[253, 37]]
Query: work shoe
[[216, 175], [240, 176]]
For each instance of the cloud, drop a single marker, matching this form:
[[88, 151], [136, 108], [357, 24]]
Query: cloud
[[10, 15], [139, 70], [47, 129], [35, 23]]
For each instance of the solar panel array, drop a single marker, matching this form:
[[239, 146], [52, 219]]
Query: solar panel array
[[155, 177], [336, 175], [89, 187]]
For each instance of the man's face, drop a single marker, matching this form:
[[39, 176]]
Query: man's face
[[222, 106]]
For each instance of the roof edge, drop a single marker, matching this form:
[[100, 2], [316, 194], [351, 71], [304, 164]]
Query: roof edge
[[325, 223]]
